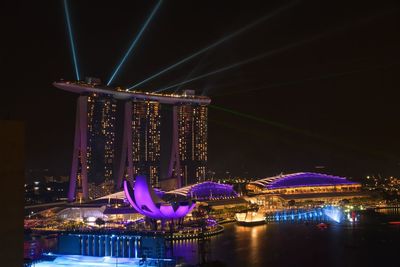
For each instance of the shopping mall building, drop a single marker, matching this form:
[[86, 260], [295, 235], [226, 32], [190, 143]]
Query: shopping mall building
[[303, 188]]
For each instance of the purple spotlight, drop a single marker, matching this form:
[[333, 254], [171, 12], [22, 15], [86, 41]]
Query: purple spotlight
[[143, 199]]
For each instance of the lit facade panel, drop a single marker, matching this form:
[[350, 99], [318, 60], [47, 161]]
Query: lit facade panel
[[101, 113], [192, 137], [146, 140]]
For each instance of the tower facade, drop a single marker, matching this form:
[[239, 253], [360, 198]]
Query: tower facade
[[101, 137], [192, 142], [146, 120], [93, 155]]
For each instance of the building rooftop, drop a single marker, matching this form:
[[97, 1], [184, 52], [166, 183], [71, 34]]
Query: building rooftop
[[206, 190], [301, 179], [121, 93]]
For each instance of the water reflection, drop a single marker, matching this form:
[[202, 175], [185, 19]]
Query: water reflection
[[389, 211], [291, 244]]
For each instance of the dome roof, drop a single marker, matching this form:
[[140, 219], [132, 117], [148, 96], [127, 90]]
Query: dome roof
[[206, 190], [301, 179]]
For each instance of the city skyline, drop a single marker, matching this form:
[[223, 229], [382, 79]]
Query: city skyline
[[297, 89], [201, 133]]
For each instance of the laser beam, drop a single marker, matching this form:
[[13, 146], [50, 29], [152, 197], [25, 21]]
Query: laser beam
[[240, 63], [311, 79], [272, 52], [325, 139], [215, 44], [269, 122], [194, 70], [153, 12], [71, 40]]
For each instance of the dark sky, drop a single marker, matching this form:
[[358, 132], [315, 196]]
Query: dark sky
[[331, 101]]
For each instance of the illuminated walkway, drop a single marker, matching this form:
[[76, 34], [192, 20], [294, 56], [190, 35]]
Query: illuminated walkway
[[328, 213]]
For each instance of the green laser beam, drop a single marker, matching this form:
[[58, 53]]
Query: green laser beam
[[327, 76], [303, 132], [272, 52]]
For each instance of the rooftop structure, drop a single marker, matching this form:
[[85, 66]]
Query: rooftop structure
[[119, 93]]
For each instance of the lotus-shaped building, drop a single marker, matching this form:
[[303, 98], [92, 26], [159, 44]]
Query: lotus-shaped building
[[143, 199]]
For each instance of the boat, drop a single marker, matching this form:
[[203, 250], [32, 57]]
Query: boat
[[250, 218], [322, 226]]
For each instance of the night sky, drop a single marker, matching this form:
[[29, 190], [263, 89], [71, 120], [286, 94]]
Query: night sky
[[331, 100]]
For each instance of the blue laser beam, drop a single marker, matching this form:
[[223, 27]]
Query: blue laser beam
[[215, 44], [71, 40], [240, 63], [275, 51], [194, 70], [326, 76], [153, 12]]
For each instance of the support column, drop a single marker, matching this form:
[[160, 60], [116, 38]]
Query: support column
[[107, 246], [90, 245], [84, 245], [79, 154], [112, 247], [101, 246], [126, 152], [130, 247], [96, 243], [123, 246], [136, 247], [81, 242], [118, 247]]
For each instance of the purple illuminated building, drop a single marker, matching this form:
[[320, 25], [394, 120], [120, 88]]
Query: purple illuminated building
[[303, 182], [143, 199], [206, 191]]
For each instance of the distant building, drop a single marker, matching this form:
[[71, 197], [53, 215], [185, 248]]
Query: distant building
[[63, 179], [42, 192], [146, 140], [192, 136], [100, 190], [49, 179]]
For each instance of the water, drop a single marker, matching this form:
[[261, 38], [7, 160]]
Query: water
[[370, 243]]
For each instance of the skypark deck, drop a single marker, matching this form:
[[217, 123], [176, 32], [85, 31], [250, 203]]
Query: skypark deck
[[119, 93]]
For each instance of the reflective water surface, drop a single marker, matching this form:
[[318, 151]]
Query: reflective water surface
[[371, 242]]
